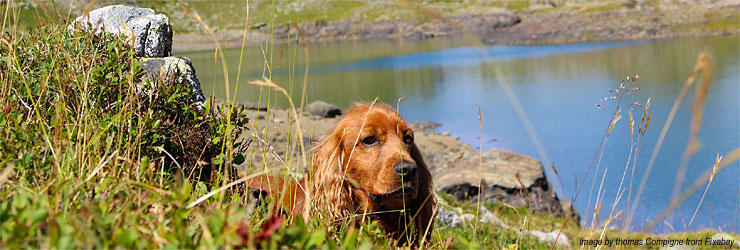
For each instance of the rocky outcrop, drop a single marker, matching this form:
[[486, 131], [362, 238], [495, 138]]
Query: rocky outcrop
[[498, 175], [152, 33], [404, 28], [152, 40], [178, 69], [574, 22]]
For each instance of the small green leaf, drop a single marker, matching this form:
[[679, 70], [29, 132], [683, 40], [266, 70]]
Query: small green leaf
[[26, 159]]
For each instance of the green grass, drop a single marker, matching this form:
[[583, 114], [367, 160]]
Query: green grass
[[88, 161], [515, 5], [603, 7], [81, 166], [82, 148], [722, 21]]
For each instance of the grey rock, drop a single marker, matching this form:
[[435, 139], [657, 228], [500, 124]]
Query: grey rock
[[550, 237], [322, 109], [426, 126], [179, 69], [152, 33], [453, 217], [254, 106], [503, 176], [448, 217]]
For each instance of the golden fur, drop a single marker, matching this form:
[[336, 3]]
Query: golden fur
[[354, 176]]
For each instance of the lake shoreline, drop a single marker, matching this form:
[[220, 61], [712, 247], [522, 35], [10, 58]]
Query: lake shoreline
[[501, 175], [503, 27]]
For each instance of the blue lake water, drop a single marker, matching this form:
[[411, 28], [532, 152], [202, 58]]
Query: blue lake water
[[444, 81]]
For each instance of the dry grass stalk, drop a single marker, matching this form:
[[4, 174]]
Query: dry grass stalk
[[737, 205], [726, 161], [700, 64], [697, 112], [618, 94], [711, 177], [268, 83], [599, 200], [620, 192], [480, 171], [632, 125], [642, 128]]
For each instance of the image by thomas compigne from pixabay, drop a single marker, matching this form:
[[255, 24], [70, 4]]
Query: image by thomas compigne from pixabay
[[658, 242]]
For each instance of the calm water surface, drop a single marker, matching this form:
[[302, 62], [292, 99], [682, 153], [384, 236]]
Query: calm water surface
[[444, 81]]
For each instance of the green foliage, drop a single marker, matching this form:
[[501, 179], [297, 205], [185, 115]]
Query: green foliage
[[84, 144], [513, 5], [88, 154], [727, 20]]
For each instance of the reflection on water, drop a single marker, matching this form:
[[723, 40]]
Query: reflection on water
[[444, 82]]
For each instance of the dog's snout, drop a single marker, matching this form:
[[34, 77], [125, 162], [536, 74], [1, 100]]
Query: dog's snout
[[405, 169]]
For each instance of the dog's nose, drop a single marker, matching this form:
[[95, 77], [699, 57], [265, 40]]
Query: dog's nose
[[405, 169]]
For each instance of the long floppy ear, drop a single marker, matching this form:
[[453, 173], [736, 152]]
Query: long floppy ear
[[330, 194], [425, 202]]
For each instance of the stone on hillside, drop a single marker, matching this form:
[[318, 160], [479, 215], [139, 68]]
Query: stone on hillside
[[152, 33], [453, 216], [322, 109], [448, 217], [550, 237], [179, 68]]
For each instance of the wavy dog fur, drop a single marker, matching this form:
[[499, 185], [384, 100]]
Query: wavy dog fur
[[357, 173], [352, 177]]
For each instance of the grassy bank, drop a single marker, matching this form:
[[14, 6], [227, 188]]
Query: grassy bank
[[92, 157]]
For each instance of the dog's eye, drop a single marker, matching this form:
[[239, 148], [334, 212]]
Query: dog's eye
[[408, 139], [370, 141]]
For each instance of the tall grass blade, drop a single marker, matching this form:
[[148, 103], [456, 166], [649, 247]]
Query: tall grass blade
[[726, 161], [698, 67], [697, 112]]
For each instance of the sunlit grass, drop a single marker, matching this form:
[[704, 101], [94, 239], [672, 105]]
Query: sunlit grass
[[83, 162]]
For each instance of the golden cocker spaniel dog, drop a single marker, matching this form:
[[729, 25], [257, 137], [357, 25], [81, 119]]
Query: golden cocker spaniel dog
[[367, 167]]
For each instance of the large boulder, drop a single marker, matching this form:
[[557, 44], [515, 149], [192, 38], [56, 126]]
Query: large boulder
[[166, 68], [501, 176], [152, 33], [498, 175]]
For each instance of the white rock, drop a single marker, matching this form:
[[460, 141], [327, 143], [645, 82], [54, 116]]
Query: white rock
[[550, 237], [152, 32], [161, 69]]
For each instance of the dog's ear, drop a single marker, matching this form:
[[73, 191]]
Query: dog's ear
[[425, 202], [330, 194]]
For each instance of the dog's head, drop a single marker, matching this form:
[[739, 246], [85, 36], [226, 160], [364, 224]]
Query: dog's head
[[380, 162], [369, 163]]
